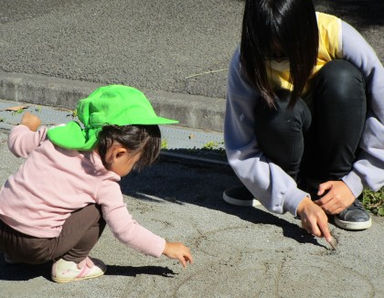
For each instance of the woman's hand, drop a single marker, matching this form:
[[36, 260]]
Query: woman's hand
[[336, 197], [313, 219], [177, 250], [31, 121]]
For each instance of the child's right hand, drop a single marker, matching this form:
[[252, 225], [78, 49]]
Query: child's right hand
[[177, 250], [31, 121], [313, 219]]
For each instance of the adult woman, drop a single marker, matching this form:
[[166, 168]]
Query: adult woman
[[305, 115]]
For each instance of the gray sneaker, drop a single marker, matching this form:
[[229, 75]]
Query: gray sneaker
[[354, 218], [239, 196]]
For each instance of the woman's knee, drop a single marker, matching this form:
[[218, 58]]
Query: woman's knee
[[281, 118], [340, 82]]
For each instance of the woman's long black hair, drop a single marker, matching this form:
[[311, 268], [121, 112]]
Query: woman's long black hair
[[289, 25], [143, 138]]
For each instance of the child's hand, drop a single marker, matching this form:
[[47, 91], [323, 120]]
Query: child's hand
[[31, 121], [177, 250]]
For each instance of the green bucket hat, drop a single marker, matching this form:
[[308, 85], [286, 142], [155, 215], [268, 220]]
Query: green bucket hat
[[108, 105]]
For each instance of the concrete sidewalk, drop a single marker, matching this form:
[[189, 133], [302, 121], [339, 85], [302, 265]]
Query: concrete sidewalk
[[238, 251]]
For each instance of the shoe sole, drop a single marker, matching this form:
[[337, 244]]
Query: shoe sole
[[65, 280], [353, 226], [242, 203]]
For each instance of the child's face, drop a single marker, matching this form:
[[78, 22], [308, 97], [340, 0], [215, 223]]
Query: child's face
[[121, 160]]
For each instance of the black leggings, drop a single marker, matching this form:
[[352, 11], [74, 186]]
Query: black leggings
[[319, 140]]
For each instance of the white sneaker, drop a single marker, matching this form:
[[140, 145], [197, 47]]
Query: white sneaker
[[66, 271], [240, 196]]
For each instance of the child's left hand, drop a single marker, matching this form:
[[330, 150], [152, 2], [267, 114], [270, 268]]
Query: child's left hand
[[31, 121], [177, 250]]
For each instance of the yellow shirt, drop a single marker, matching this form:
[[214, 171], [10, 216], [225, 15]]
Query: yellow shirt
[[329, 48]]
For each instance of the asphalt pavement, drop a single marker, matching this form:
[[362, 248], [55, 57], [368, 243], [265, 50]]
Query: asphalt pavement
[[177, 52], [56, 52]]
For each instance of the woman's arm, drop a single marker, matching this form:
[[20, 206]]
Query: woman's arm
[[274, 188], [369, 167]]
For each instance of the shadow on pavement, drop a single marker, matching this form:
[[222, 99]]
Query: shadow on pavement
[[24, 271], [133, 271], [20, 272], [201, 184]]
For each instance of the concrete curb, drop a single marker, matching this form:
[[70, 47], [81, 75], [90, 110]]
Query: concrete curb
[[191, 110]]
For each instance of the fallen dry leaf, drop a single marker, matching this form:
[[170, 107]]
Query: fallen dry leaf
[[16, 108]]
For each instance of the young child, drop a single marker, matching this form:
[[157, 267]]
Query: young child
[[55, 207]]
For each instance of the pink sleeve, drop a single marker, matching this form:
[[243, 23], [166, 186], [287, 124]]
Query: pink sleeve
[[123, 226], [22, 141]]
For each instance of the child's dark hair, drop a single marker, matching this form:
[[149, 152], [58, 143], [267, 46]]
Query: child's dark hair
[[144, 138]]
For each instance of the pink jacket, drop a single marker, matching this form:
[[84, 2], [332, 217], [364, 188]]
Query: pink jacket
[[53, 182]]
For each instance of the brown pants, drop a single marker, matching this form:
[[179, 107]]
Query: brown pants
[[79, 235]]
